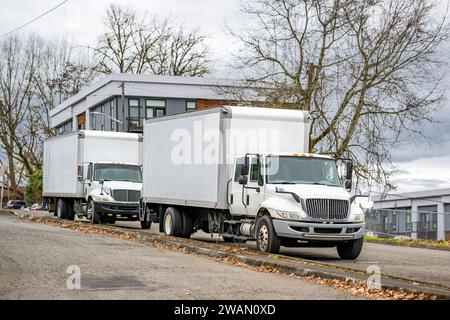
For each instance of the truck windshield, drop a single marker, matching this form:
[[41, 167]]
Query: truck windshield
[[117, 172], [302, 170]]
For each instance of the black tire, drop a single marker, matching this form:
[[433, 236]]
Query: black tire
[[350, 250], [146, 224], [70, 213], [61, 208], [55, 202], [108, 220], [187, 225], [95, 217], [266, 238], [173, 223]]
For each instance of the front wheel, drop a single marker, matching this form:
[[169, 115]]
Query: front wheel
[[95, 216], [146, 224], [350, 250], [266, 238]]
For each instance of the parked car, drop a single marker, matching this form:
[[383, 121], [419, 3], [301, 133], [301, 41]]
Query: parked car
[[14, 204], [37, 207]]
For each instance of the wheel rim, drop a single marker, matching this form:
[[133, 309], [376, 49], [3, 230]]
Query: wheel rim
[[263, 237], [58, 209], [168, 224]]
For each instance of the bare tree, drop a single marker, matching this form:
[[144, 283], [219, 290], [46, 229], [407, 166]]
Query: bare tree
[[17, 65], [135, 43], [180, 53], [62, 73], [367, 71], [35, 76]]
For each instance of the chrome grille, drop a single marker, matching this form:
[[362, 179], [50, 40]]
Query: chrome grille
[[127, 195], [327, 209]]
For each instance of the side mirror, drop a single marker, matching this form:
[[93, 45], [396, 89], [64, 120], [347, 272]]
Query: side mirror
[[349, 173], [80, 173], [102, 182], [245, 167], [348, 185], [243, 179]]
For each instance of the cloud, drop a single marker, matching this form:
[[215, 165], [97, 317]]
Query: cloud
[[423, 174]]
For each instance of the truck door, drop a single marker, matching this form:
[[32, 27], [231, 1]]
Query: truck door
[[246, 199], [235, 197], [253, 189]]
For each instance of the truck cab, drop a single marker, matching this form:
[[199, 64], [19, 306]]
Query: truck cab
[[296, 199], [111, 191]]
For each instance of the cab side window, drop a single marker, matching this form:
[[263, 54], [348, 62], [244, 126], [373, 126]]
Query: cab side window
[[238, 169], [256, 172]]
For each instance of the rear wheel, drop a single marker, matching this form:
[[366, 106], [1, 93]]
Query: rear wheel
[[173, 224], [70, 213], [95, 217], [350, 250], [61, 208], [266, 238], [187, 225]]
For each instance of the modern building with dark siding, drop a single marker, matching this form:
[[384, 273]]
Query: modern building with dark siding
[[421, 215], [121, 102]]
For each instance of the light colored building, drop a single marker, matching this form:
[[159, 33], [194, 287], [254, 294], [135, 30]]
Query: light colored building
[[131, 98], [423, 214]]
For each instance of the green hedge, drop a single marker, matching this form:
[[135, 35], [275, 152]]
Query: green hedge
[[33, 190]]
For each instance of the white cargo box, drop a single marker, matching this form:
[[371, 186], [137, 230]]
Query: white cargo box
[[63, 154], [188, 158]]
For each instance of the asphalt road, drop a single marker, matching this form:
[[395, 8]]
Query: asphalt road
[[34, 259], [427, 265], [418, 264]]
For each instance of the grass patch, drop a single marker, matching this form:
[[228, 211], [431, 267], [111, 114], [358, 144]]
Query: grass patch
[[411, 242]]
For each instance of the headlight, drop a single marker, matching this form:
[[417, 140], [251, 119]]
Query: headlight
[[358, 218], [288, 215], [101, 198]]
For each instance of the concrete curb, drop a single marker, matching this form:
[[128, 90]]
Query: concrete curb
[[298, 267]]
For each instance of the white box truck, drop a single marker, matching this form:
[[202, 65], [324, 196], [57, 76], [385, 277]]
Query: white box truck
[[244, 173], [93, 174]]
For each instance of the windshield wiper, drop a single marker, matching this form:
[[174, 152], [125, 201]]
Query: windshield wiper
[[325, 184], [284, 182]]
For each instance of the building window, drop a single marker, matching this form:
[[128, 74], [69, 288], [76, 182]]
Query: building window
[[191, 105], [94, 120], [112, 112], [102, 111], [133, 105], [64, 128], [408, 220], [81, 121], [155, 108]]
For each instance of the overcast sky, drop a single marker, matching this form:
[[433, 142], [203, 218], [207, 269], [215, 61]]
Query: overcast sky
[[422, 165]]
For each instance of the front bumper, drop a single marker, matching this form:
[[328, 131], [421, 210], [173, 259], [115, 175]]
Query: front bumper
[[318, 231], [118, 209]]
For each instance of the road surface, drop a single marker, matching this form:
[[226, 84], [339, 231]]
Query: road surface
[[426, 265], [34, 259], [419, 264]]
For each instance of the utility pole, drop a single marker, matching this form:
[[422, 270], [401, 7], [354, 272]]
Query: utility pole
[[123, 105]]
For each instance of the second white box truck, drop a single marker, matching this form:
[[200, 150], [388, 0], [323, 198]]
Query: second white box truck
[[245, 173], [93, 174]]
